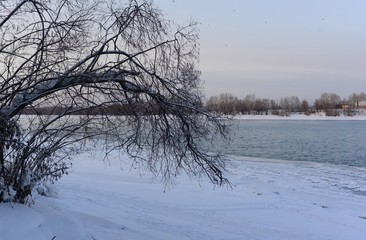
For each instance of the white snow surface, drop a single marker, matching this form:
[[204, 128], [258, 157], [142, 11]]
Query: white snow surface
[[269, 200]]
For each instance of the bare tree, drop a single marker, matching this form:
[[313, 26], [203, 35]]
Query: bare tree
[[290, 105], [305, 107], [78, 57], [356, 99], [225, 103], [328, 102], [249, 102], [260, 106], [212, 104], [228, 103]]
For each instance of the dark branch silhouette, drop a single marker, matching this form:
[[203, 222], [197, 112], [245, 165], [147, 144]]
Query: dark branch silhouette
[[75, 58]]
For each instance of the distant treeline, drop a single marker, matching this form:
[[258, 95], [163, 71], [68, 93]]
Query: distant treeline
[[227, 104], [330, 103]]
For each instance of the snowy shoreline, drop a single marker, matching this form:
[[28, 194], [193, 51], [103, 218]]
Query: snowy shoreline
[[300, 117], [269, 200]]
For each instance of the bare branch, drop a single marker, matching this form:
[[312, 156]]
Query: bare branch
[[77, 71]]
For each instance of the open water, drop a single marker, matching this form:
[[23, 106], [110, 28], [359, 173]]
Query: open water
[[336, 142]]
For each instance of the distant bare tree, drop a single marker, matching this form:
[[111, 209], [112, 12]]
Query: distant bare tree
[[274, 107], [260, 106], [355, 99], [305, 106], [290, 104], [228, 104], [212, 104], [316, 105], [249, 102], [328, 102], [225, 103], [77, 56]]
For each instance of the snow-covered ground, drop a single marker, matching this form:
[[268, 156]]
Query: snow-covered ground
[[269, 200]]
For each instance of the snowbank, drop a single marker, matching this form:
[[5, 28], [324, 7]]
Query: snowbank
[[270, 200]]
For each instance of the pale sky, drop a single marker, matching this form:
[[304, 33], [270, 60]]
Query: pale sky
[[278, 48]]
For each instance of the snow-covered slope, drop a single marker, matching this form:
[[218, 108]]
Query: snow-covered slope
[[269, 200]]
